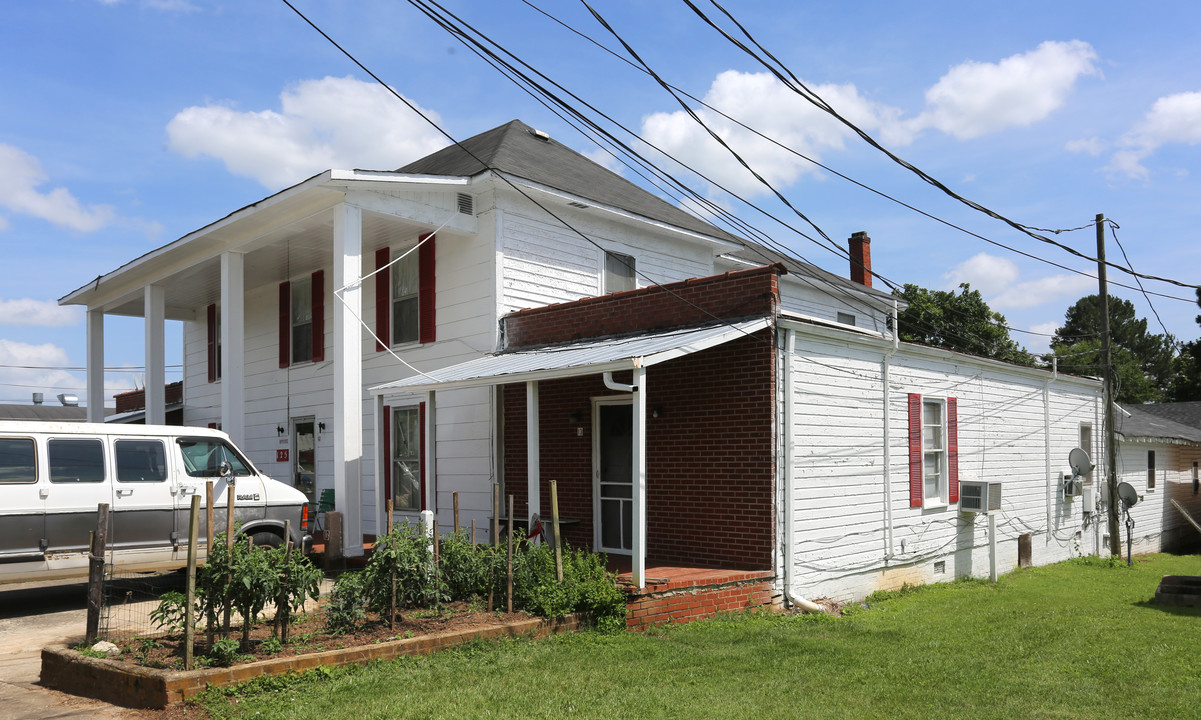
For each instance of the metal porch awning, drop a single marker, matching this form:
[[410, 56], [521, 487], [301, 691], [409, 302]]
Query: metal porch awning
[[573, 359]]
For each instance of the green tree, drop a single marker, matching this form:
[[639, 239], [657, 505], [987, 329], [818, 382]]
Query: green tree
[[1186, 373], [1143, 361], [961, 322]]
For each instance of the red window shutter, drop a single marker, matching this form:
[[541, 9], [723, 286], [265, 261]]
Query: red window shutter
[[383, 292], [421, 439], [212, 337], [387, 455], [915, 450], [426, 294], [953, 449], [285, 324], [318, 316]]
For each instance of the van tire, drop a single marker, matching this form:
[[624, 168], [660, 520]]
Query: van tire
[[267, 538]]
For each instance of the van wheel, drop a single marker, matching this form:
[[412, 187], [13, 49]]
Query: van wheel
[[266, 538]]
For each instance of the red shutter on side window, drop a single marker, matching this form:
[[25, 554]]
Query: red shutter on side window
[[383, 287], [915, 450], [285, 324], [421, 439], [387, 455], [318, 316], [426, 295], [953, 449], [212, 337]]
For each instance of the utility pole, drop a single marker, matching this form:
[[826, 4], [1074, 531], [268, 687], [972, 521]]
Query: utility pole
[[1111, 450]]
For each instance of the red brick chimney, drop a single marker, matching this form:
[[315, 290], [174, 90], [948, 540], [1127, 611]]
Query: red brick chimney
[[861, 258]]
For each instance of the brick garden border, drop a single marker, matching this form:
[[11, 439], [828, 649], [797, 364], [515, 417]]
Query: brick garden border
[[133, 686]]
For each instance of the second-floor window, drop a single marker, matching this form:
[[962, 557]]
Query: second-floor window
[[302, 320], [406, 301], [405, 294]]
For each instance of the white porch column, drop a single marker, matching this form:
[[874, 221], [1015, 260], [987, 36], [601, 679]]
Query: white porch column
[[156, 373], [95, 365], [233, 345], [431, 453], [533, 453], [348, 376], [638, 559]]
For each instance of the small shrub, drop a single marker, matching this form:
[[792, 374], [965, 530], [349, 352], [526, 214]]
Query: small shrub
[[347, 605], [170, 615], [271, 646], [224, 652]]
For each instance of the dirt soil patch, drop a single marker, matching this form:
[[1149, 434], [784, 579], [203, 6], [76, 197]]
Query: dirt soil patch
[[307, 634]]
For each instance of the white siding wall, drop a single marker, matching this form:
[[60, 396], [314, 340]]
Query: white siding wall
[[839, 526], [808, 296], [1157, 524]]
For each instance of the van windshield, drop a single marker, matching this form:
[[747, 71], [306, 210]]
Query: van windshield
[[202, 457]]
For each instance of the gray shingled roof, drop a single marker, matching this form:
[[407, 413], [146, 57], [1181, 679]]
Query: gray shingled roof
[[1185, 413], [48, 413], [1145, 423], [514, 149]]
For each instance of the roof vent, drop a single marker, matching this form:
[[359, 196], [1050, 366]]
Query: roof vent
[[466, 204], [68, 400], [575, 204], [37, 398], [541, 135]]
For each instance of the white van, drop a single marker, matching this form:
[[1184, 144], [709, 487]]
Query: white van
[[54, 475]]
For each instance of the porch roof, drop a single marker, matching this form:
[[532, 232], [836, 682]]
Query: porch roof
[[586, 357]]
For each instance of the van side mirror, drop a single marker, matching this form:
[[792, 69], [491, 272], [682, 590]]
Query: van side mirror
[[225, 469]]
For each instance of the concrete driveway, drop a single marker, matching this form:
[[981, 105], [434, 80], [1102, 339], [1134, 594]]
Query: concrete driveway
[[33, 615]]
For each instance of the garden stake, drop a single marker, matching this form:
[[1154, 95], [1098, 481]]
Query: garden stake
[[554, 516], [189, 628], [229, 551], [392, 603], [510, 553], [456, 502], [208, 517]]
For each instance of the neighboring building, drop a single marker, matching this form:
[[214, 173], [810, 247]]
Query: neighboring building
[[1159, 453], [131, 406]]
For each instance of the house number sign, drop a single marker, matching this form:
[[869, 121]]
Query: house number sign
[[281, 455]]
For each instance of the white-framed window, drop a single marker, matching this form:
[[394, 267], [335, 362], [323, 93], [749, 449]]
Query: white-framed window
[[406, 299], [406, 458], [846, 318], [620, 272], [302, 320], [934, 452]]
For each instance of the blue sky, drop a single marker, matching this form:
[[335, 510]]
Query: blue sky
[[125, 124]]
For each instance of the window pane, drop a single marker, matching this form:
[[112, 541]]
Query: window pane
[[611, 531], [406, 485], [931, 413], [18, 461], [302, 343], [932, 438], [405, 320], [141, 461], [932, 475], [202, 458], [619, 272], [302, 302], [76, 461], [405, 277]]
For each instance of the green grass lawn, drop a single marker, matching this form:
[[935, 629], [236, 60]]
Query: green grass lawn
[[1074, 640]]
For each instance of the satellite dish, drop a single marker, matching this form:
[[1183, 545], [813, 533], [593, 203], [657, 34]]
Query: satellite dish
[[1080, 462], [1128, 494]]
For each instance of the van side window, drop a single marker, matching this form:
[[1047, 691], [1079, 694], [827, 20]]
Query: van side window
[[18, 461], [76, 461], [141, 461], [202, 457]]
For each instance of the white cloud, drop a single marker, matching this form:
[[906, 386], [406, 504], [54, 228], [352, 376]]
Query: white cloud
[[38, 313], [760, 101], [1090, 146], [26, 369], [997, 279], [1171, 119], [19, 193], [322, 124], [977, 98]]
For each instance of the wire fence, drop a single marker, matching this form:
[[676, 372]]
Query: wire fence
[[128, 601]]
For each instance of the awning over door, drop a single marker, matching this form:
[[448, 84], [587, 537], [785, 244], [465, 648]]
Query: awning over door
[[570, 360]]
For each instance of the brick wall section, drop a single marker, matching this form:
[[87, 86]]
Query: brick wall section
[[738, 294], [655, 606], [136, 399], [710, 455]]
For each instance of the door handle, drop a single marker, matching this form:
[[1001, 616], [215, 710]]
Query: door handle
[[43, 493], [122, 492]]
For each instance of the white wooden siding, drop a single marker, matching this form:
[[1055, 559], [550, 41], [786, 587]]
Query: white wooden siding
[[840, 547], [1157, 524]]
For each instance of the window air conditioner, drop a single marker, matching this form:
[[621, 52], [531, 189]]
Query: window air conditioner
[[1072, 486], [977, 496]]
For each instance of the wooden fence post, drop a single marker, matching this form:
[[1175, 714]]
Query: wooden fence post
[[189, 632], [510, 553], [554, 518], [209, 519], [96, 552], [455, 495]]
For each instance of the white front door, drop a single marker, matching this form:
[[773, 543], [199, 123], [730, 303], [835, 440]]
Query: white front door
[[612, 462]]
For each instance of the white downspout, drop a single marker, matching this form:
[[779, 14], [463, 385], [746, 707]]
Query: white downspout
[[789, 480], [887, 396], [1047, 443]]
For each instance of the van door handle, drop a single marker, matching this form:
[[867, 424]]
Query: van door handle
[[122, 492], [43, 493]]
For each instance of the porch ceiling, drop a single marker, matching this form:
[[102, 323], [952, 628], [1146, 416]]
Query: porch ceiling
[[581, 358], [273, 255]]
